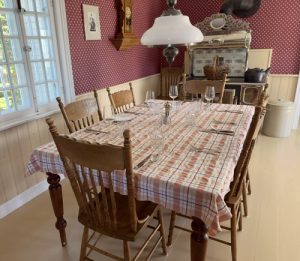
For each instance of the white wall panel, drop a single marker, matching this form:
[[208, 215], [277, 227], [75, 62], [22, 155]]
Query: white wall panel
[[17, 143]]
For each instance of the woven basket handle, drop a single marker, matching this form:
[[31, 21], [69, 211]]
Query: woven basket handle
[[216, 61], [215, 64]]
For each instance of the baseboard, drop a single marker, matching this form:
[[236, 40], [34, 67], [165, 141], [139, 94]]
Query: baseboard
[[23, 198]]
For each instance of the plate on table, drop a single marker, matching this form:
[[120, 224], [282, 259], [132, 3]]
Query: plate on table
[[154, 101], [123, 117]]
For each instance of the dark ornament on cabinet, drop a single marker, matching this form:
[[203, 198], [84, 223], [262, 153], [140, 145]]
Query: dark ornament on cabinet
[[240, 8]]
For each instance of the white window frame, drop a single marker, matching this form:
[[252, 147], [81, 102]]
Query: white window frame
[[63, 46]]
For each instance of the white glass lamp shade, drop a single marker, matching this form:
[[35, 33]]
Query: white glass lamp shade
[[172, 30]]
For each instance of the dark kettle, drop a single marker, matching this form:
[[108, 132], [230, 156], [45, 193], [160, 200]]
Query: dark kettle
[[256, 75]]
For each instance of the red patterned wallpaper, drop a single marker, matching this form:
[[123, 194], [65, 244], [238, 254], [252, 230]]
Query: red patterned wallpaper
[[276, 25], [97, 64]]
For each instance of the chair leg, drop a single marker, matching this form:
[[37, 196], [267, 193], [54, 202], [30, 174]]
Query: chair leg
[[127, 252], [171, 227], [248, 183], [240, 227], [84, 243], [245, 199], [233, 234], [162, 231]]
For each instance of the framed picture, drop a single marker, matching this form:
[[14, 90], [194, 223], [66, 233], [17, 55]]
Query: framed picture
[[91, 22]]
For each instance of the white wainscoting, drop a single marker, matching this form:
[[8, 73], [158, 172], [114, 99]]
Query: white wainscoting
[[297, 101], [17, 143], [283, 86]]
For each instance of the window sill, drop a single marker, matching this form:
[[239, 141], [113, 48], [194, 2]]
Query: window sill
[[7, 124]]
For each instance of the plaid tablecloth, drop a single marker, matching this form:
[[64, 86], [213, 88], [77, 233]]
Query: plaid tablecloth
[[190, 182]]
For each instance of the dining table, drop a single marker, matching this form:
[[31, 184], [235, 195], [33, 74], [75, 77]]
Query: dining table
[[199, 147]]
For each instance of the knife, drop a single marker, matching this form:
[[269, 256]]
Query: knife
[[141, 163], [233, 111], [96, 131], [225, 132], [132, 112]]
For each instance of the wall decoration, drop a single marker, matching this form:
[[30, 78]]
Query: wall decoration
[[97, 64], [125, 37], [91, 22]]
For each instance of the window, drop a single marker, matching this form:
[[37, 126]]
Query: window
[[30, 77]]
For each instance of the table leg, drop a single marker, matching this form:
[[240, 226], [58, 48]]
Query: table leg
[[57, 204], [199, 240]]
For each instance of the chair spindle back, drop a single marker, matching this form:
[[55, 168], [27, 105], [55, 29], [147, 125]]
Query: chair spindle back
[[240, 170], [198, 87], [169, 76], [90, 168], [80, 114], [121, 100]]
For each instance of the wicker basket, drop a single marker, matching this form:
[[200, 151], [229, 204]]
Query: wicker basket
[[216, 71]]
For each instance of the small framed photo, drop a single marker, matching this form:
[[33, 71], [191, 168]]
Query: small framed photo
[[91, 22]]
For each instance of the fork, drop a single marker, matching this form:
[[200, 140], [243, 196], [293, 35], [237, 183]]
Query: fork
[[205, 150], [226, 123]]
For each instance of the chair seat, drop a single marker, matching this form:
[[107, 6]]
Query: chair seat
[[144, 209]]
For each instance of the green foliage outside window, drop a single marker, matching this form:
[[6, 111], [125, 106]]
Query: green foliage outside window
[[5, 30]]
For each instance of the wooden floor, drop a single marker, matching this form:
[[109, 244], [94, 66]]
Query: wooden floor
[[270, 232]]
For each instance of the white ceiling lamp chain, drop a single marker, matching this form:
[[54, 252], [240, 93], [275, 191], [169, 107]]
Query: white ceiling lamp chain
[[170, 29]]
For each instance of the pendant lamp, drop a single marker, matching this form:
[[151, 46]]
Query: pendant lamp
[[170, 29]]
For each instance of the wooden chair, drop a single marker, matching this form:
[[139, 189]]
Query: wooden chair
[[121, 100], [81, 114], [234, 197], [169, 76], [229, 96], [89, 167], [263, 100], [198, 87]]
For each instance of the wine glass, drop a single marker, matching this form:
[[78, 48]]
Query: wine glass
[[173, 93], [210, 93]]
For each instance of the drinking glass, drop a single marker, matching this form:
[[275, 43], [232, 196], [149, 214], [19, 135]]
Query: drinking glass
[[190, 118], [173, 93], [157, 144], [150, 95], [108, 113], [210, 94], [121, 127]]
